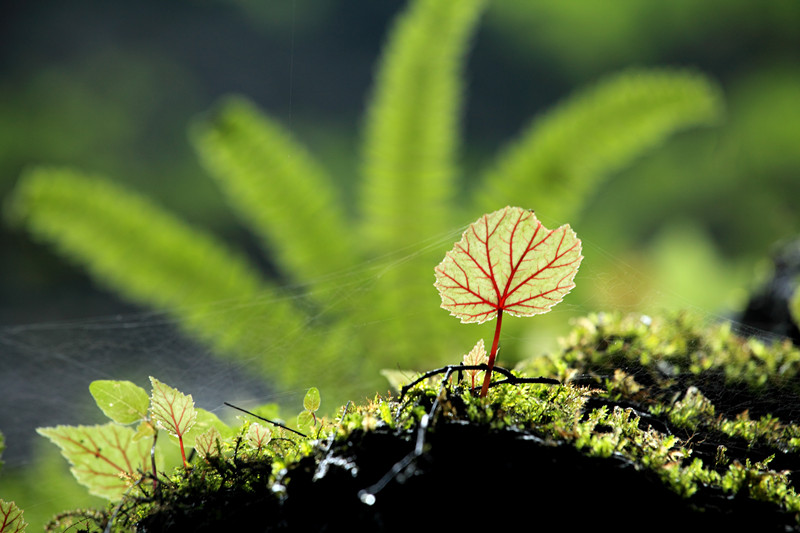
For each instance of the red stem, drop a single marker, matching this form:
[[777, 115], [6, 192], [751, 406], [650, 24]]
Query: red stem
[[183, 453], [492, 354]]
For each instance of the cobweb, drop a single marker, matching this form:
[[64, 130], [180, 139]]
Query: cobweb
[[48, 366]]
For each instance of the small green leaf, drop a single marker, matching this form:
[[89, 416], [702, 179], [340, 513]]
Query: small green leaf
[[11, 518], [306, 422], [106, 458], [171, 409], [312, 400], [121, 401]]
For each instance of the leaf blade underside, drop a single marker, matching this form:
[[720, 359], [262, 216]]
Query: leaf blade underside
[[122, 401], [106, 459], [171, 409], [508, 261]]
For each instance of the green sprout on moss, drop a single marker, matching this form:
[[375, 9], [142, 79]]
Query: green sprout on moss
[[109, 459], [634, 392], [507, 262], [307, 420]]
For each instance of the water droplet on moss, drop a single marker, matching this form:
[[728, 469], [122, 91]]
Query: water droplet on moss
[[366, 498]]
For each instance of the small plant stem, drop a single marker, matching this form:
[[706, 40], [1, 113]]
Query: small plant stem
[[153, 461], [183, 452], [492, 354]]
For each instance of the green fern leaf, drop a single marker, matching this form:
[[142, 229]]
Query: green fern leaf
[[278, 189], [411, 140], [563, 155], [412, 123], [152, 258]]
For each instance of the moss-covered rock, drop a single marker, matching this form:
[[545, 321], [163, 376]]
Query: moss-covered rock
[[657, 423]]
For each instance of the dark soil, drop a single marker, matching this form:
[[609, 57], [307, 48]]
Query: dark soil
[[469, 477]]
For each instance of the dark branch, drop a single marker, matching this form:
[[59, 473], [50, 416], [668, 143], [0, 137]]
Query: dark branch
[[266, 420], [511, 378]]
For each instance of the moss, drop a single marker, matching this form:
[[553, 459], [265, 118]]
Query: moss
[[667, 417]]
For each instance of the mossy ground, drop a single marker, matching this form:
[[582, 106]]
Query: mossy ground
[[658, 423]]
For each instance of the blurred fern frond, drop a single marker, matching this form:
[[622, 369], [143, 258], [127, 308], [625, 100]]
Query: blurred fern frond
[[148, 256], [564, 154], [296, 212], [407, 197], [409, 161]]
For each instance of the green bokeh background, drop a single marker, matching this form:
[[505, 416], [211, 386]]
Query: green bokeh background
[[110, 87]]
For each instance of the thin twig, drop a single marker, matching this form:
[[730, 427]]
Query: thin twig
[[511, 378], [267, 420]]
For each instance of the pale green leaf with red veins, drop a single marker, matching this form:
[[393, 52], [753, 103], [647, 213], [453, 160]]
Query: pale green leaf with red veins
[[476, 356], [258, 436], [11, 518], [207, 444], [121, 401], [106, 459], [508, 261], [171, 409]]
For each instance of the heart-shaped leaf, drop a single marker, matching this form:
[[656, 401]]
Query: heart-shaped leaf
[[173, 411], [476, 356], [508, 261]]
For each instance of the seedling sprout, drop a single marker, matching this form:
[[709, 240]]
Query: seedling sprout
[[507, 262]]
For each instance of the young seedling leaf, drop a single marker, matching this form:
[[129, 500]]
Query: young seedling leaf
[[258, 436], [507, 262], [173, 411], [206, 444], [306, 422], [476, 356], [121, 401], [11, 518], [105, 458], [312, 400]]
